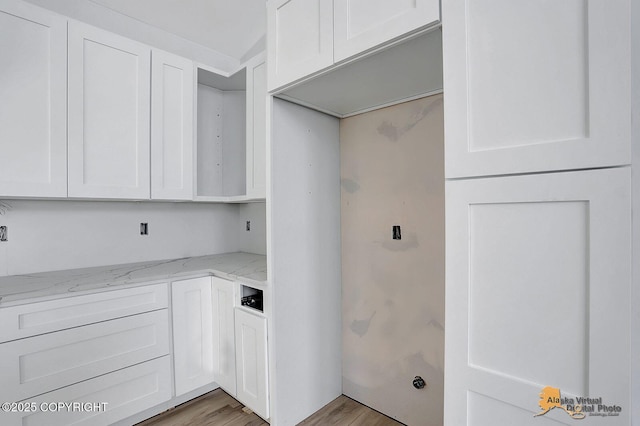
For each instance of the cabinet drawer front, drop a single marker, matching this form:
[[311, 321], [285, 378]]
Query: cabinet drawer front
[[43, 363], [122, 394], [21, 321]]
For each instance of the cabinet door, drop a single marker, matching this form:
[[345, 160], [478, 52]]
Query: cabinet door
[[251, 361], [538, 283], [192, 334], [299, 39], [33, 106], [224, 349], [109, 84], [536, 86], [256, 130], [172, 91], [362, 24]]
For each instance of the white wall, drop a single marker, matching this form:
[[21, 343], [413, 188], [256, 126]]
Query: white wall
[[635, 185], [392, 170], [255, 240], [55, 235]]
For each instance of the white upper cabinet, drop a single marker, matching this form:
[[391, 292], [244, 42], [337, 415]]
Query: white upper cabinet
[[360, 25], [535, 86], [33, 101], [172, 90], [299, 39], [109, 85], [256, 130]]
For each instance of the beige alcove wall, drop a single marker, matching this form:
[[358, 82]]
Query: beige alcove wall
[[392, 173]]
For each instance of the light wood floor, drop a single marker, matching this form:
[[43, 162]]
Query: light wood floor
[[217, 408]]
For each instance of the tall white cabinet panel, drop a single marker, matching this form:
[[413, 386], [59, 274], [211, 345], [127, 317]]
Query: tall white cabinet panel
[[172, 91], [251, 361], [192, 334], [363, 24], [109, 84], [224, 350], [521, 99], [33, 101], [538, 281], [299, 39], [256, 130]]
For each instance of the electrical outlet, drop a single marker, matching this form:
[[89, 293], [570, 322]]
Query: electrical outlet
[[396, 232], [144, 228], [3, 233], [248, 225]]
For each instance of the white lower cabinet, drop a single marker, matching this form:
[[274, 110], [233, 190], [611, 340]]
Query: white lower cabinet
[[251, 361], [215, 342], [192, 333], [106, 352], [50, 361], [100, 401], [224, 350]]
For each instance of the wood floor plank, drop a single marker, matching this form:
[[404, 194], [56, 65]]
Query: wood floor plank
[[373, 418], [218, 408]]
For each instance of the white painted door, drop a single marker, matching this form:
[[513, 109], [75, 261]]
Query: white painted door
[[536, 85], [109, 84], [538, 281], [360, 25], [224, 349], [299, 39], [33, 101], [172, 92], [192, 334], [251, 361], [256, 130]]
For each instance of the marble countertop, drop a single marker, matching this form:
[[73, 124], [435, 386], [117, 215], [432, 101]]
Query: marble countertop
[[19, 289]]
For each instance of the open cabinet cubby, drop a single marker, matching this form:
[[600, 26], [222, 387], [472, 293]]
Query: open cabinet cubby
[[221, 136], [251, 298]]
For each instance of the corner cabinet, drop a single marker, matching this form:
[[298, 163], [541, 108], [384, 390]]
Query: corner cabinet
[[171, 127], [251, 361], [109, 85], [34, 102]]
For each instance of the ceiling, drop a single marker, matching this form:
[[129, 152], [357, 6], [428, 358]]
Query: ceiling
[[231, 27]]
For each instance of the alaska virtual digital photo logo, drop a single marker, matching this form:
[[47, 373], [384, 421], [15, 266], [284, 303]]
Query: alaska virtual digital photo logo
[[577, 408]]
